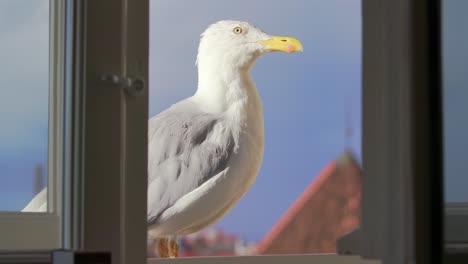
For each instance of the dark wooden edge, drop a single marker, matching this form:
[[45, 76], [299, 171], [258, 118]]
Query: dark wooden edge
[[427, 132]]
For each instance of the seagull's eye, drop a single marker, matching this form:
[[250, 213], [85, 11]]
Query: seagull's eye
[[237, 30]]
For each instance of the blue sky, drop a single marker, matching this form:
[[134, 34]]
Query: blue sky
[[24, 97], [455, 82], [305, 95]]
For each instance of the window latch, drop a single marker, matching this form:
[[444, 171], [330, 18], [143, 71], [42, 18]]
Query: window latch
[[132, 86]]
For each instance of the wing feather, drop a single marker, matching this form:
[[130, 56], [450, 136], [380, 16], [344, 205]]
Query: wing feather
[[185, 149]]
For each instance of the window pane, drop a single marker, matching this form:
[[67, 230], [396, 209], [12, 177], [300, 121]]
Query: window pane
[[455, 94], [24, 71], [307, 193]]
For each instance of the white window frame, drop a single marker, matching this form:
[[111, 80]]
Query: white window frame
[[40, 231]]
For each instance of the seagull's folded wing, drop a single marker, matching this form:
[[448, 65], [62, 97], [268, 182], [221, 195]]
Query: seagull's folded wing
[[185, 149]]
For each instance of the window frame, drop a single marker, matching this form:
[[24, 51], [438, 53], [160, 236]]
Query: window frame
[[402, 149], [41, 231], [456, 218], [110, 200], [270, 259]]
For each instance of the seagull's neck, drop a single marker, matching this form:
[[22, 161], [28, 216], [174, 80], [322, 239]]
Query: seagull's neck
[[224, 87], [230, 91]]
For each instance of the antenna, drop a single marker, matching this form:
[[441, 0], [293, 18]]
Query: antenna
[[348, 122]]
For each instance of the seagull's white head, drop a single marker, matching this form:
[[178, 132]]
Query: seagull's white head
[[238, 44]]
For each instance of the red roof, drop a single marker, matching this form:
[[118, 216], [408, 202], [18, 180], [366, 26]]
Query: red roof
[[327, 209]]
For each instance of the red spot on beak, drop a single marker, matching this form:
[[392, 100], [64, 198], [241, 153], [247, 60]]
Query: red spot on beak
[[290, 48]]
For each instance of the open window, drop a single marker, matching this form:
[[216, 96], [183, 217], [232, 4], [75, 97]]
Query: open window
[[101, 52], [32, 114]]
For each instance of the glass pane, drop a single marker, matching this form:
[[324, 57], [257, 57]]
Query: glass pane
[[455, 94], [24, 71], [307, 192]]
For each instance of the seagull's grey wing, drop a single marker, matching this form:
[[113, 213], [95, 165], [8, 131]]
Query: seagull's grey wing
[[185, 149], [38, 203]]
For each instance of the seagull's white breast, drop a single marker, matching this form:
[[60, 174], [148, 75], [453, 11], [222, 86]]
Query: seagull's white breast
[[213, 199]]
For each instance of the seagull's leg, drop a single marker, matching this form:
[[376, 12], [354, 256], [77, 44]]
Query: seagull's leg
[[173, 248], [162, 248]]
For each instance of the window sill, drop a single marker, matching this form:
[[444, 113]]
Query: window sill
[[272, 259], [35, 257]]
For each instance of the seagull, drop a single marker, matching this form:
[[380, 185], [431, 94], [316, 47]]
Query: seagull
[[205, 152]]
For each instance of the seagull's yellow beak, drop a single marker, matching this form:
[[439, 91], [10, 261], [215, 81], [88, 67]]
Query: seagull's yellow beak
[[286, 44]]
